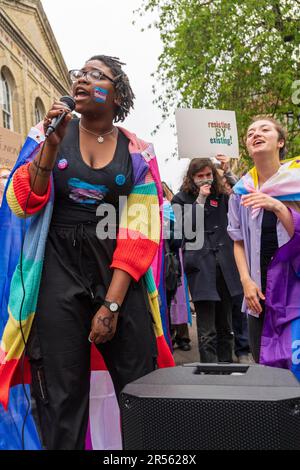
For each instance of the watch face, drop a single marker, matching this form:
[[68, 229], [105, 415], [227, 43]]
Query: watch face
[[113, 307]]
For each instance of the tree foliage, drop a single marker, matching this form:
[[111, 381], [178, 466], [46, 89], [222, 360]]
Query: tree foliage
[[230, 54]]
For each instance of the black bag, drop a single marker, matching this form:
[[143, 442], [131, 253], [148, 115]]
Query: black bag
[[172, 270]]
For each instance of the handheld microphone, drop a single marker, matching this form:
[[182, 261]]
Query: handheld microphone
[[70, 103]]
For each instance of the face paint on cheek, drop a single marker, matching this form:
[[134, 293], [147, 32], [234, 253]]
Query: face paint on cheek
[[99, 94]]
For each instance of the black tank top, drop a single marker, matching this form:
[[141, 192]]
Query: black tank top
[[80, 189], [268, 244]]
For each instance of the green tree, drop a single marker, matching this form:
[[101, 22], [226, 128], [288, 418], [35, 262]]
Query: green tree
[[230, 54]]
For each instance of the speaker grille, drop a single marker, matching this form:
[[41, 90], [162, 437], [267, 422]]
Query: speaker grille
[[179, 424]]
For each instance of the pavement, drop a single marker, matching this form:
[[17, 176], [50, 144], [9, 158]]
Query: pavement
[[184, 357]]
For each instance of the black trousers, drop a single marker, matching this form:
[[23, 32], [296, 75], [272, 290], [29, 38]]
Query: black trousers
[[180, 334], [214, 325], [75, 278]]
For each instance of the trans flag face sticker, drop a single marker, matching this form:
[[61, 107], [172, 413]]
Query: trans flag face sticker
[[99, 94]]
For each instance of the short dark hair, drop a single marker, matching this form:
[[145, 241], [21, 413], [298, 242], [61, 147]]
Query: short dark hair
[[122, 85], [196, 165]]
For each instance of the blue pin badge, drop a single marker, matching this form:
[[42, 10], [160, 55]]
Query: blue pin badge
[[120, 180]]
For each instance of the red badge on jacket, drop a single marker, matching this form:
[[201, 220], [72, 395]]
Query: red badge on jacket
[[214, 203]]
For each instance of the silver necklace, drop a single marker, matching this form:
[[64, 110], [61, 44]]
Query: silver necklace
[[100, 138]]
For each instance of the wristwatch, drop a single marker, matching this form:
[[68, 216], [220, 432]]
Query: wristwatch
[[112, 306]]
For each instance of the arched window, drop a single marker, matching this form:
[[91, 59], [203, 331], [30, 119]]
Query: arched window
[[39, 110], [6, 102]]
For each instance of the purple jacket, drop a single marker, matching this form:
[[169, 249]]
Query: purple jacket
[[280, 342]]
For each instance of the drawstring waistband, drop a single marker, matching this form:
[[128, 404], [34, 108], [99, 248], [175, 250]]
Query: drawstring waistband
[[78, 235]]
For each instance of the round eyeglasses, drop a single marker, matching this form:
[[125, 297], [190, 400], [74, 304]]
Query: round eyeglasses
[[91, 75]]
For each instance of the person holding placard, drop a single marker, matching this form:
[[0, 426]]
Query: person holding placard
[[211, 271]]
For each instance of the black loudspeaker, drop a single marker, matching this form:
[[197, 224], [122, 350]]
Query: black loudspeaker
[[212, 407]]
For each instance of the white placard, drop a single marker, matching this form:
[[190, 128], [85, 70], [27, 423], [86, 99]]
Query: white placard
[[205, 133]]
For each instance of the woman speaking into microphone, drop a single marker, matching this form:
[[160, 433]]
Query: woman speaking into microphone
[[84, 285]]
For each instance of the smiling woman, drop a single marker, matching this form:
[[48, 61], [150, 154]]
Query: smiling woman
[[101, 289], [266, 130], [264, 222]]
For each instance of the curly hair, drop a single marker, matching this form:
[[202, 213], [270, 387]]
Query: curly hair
[[122, 85], [196, 165]]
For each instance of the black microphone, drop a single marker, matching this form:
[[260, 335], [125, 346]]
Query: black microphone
[[70, 103]]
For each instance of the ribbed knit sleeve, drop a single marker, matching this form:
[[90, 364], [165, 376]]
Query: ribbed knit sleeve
[[139, 231], [18, 191]]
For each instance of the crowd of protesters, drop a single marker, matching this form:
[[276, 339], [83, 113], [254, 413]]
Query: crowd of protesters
[[67, 292], [245, 275], [217, 281], [210, 269]]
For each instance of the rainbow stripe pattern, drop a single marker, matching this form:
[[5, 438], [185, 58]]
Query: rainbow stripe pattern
[[11, 234], [138, 252]]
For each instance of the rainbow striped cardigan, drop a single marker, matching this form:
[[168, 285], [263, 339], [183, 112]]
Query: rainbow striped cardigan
[[137, 251]]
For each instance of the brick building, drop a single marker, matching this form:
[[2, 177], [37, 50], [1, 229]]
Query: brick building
[[33, 72]]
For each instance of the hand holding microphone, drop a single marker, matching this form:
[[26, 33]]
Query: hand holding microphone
[[57, 119], [55, 125]]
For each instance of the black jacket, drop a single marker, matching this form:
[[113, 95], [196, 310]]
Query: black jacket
[[200, 265]]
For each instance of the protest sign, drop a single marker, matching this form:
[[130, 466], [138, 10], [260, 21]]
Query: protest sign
[[205, 133]]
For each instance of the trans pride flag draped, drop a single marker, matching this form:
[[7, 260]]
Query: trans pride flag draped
[[284, 185], [12, 230], [280, 341]]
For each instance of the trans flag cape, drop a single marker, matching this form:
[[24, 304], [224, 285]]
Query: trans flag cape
[[280, 341], [284, 185], [13, 396]]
